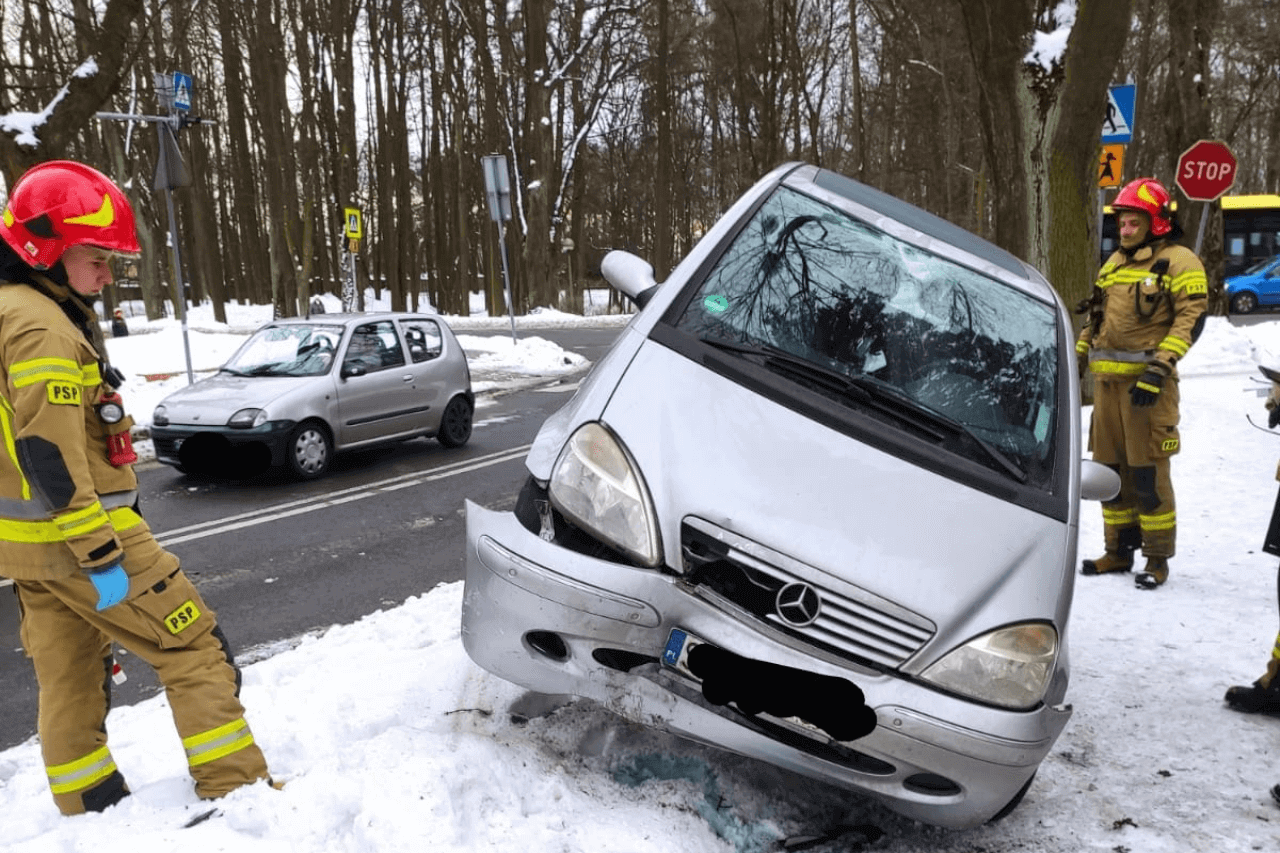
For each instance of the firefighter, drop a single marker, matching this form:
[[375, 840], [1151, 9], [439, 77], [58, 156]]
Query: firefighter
[[1263, 696], [86, 569], [1146, 309]]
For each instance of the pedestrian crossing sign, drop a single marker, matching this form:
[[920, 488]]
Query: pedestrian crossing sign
[[181, 91], [1117, 124]]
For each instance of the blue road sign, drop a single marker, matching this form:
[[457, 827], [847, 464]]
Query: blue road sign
[[1117, 126], [181, 91]]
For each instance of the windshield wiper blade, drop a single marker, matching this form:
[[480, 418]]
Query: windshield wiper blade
[[872, 392], [862, 390]]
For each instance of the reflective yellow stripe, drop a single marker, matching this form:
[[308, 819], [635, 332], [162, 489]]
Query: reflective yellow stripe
[[100, 218], [1119, 367], [82, 773], [36, 532], [11, 447], [1165, 521], [1082, 346], [81, 521], [217, 743], [1119, 517], [32, 371], [1177, 346], [1192, 281]]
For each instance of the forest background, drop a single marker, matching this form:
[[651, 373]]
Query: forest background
[[625, 124]]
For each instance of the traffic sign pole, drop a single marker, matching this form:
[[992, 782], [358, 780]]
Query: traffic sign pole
[[174, 91]]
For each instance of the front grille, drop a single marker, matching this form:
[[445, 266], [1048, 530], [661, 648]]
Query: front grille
[[852, 622]]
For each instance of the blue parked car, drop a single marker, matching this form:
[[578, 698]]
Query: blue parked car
[[1257, 286]]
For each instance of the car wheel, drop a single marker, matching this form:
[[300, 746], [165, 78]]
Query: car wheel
[[455, 424], [309, 450], [1243, 303]]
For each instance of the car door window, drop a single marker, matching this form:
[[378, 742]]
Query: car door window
[[424, 340], [374, 346]]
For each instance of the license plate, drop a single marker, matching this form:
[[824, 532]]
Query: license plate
[[676, 654]]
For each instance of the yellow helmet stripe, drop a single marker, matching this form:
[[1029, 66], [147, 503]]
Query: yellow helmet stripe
[[101, 218]]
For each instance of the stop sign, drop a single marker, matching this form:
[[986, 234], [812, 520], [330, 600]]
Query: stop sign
[[1206, 170]]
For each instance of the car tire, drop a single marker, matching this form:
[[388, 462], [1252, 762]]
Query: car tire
[[1244, 303], [309, 450], [455, 423]]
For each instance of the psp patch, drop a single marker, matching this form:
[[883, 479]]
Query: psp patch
[[63, 393], [182, 618]]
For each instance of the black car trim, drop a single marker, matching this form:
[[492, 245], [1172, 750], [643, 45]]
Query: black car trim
[[387, 416]]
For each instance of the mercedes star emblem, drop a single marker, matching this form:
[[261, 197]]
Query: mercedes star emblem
[[798, 605]]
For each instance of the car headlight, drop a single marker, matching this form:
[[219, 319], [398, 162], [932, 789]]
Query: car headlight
[[1010, 667], [160, 417], [596, 485], [248, 418]]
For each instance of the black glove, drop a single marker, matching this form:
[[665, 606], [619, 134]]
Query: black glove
[[1147, 389], [1273, 417]]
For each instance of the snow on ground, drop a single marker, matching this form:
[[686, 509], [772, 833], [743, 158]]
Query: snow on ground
[[390, 739]]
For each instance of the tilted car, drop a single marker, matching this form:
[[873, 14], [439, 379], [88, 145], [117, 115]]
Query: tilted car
[[1256, 287], [299, 390], [840, 446]]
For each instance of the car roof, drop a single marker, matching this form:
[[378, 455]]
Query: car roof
[[354, 318]]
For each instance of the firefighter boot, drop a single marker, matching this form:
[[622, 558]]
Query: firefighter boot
[[1119, 556], [1261, 697], [1154, 575], [1106, 564]]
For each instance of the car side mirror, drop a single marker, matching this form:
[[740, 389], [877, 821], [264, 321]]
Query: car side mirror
[[1097, 481], [349, 370], [631, 275]]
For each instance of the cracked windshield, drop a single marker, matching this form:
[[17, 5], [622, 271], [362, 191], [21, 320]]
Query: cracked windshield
[[858, 315], [286, 351]]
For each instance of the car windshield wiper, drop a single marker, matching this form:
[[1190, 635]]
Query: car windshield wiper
[[870, 392], [232, 371]]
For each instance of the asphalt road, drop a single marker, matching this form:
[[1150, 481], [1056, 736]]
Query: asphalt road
[[278, 559]]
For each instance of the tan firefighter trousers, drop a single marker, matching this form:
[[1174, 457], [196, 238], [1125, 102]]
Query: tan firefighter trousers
[[166, 623], [1138, 442]]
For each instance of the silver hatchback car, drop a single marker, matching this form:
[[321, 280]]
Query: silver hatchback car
[[298, 390], [818, 505]]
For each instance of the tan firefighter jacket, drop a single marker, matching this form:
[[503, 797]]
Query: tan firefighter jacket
[[61, 500], [1145, 311]]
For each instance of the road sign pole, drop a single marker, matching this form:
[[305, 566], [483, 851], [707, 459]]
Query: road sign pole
[[174, 93], [1204, 219], [497, 188]]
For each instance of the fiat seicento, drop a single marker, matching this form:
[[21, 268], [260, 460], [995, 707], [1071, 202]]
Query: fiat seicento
[[818, 506]]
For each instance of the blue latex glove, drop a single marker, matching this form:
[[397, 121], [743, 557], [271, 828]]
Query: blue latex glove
[[112, 584]]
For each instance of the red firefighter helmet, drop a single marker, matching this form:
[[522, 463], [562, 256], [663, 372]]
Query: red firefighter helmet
[[1147, 195], [60, 204]]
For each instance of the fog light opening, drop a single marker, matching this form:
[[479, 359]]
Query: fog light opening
[[931, 784], [548, 644]]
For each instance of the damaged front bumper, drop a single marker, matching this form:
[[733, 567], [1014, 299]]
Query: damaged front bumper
[[556, 621]]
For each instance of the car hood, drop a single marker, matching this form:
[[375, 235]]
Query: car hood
[[213, 400], [710, 448]]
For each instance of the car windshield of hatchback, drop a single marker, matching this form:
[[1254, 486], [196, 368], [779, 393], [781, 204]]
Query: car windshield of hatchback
[[883, 326], [289, 350]]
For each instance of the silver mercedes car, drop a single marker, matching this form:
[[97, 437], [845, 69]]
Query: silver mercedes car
[[300, 389], [818, 506]]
